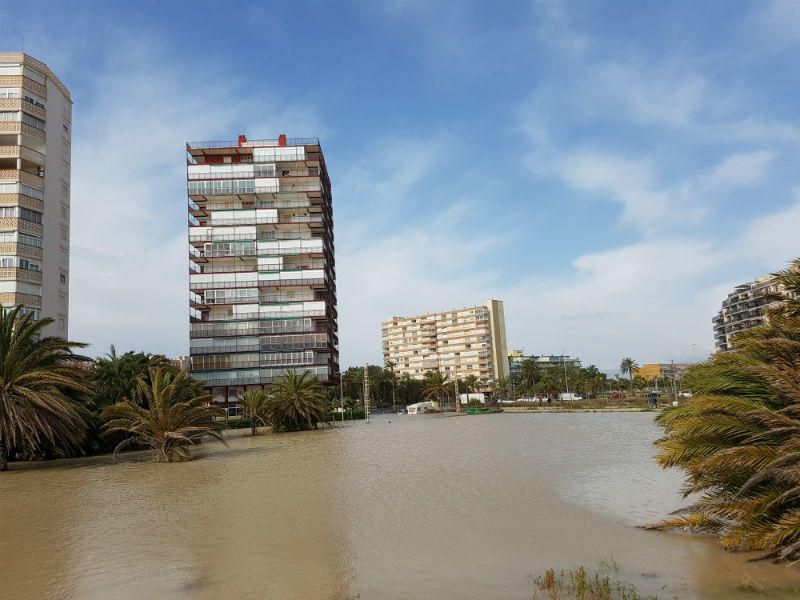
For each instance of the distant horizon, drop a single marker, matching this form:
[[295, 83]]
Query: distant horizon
[[611, 171]]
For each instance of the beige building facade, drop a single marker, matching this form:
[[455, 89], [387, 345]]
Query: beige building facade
[[35, 156], [458, 343]]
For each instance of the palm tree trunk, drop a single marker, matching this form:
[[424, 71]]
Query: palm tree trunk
[[3, 457]]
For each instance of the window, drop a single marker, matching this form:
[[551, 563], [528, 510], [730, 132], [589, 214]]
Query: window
[[64, 233], [62, 323], [33, 99], [10, 69], [62, 301], [12, 237], [64, 211], [21, 213], [33, 121], [65, 127], [63, 277], [34, 75], [6, 116]]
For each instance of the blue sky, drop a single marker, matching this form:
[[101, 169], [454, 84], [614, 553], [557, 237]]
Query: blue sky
[[608, 169]]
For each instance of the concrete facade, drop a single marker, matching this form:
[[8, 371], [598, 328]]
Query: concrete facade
[[262, 278], [35, 165], [458, 343]]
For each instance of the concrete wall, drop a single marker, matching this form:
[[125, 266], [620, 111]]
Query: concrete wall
[[55, 262]]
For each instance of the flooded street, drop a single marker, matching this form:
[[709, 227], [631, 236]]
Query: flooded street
[[404, 507]]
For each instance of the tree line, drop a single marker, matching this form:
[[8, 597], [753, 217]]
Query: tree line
[[56, 403]]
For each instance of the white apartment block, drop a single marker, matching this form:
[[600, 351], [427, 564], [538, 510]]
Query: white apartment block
[[35, 146], [744, 308], [458, 343]]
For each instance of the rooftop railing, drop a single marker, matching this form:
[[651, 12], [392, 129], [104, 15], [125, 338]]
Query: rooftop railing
[[301, 141]]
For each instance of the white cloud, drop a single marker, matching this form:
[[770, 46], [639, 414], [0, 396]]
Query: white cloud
[[647, 93], [556, 29], [129, 271], [640, 300], [427, 267], [738, 169], [631, 182], [778, 23], [772, 241], [648, 205]]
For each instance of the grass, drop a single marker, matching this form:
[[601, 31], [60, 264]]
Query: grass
[[579, 584]]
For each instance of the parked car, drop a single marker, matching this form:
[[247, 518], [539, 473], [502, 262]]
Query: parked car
[[569, 397]]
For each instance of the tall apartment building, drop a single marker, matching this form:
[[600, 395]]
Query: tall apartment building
[[458, 343], [262, 275], [745, 307], [35, 130]]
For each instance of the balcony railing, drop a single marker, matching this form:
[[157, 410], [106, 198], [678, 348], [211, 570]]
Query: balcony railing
[[260, 283], [12, 273], [265, 221], [31, 179], [223, 349], [307, 141], [270, 315], [250, 328], [244, 191]]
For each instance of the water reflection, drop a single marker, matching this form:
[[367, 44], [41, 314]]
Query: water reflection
[[422, 507]]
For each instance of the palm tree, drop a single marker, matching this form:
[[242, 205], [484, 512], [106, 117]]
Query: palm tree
[[502, 387], [255, 403], [628, 367], [115, 375], [169, 422], [530, 373], [297, 402], [471, 383], [738, 438], [38, 376], [390, 364], [437, 385]]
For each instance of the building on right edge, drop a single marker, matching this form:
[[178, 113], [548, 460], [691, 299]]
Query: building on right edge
[[459, 343], [745, 308]]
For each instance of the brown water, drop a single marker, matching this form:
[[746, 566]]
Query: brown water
[[404, 507]]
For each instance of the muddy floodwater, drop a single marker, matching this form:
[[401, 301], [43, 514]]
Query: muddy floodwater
[[404, 507]]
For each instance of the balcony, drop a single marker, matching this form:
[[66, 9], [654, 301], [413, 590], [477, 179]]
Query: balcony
[[295, 342], [13, 299], [22, 104], [224, 349], [23, 153], [17, 128], [266, 315], [22, 225], [255, 327], [204, 191], [14, 274], [17, 175], [17, 248]]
